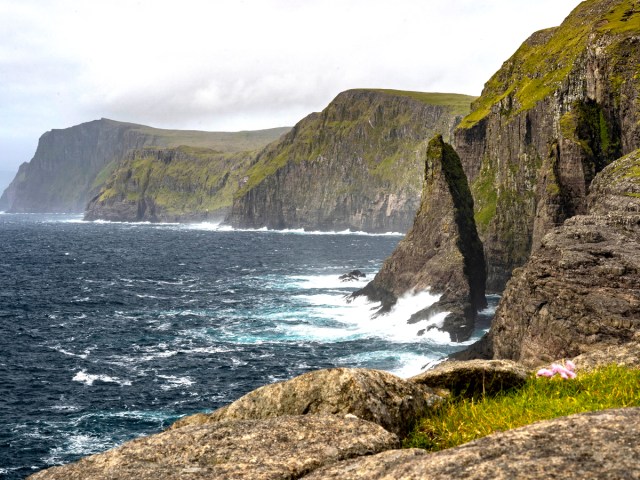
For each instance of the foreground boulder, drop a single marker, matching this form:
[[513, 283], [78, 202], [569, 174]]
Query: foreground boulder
[[373, 395], [275, 448], [474, 377], [602, 445]]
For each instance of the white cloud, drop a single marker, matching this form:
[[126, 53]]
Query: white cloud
[[240, 64]]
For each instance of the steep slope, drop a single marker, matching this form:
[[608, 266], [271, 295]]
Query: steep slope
[[169, 185], [442, 252], [356, 165], [580, 291], [559, 110], [63, 171]]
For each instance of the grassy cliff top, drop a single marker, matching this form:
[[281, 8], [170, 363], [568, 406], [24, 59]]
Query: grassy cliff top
[[544, 60], [458, 104], [219, 141]]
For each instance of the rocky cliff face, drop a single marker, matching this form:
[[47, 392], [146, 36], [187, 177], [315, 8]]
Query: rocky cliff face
[[65, 168], [442, 252], [356, 165], [580, 291], [170, 185], [559, 110]]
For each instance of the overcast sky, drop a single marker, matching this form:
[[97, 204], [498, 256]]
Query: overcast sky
[[228, 65]]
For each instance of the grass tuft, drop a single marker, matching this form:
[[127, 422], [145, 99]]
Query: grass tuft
[[461, 420]]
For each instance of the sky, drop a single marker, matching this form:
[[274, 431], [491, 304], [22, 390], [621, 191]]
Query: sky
[[230, 65]]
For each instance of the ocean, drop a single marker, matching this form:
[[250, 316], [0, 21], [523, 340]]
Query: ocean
[[111, 331]]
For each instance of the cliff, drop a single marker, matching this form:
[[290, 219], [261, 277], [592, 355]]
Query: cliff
[[580, 291], [356, 165], [442, 252], [559, 110], [169, 185], [66, 166]]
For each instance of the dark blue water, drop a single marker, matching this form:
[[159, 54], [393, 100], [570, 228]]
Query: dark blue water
[[112, 331]]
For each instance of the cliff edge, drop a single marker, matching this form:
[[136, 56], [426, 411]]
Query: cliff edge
[[563, 107], [356, 165], [69, 164], [580, 291]]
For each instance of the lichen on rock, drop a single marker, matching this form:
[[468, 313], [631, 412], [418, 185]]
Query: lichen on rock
[[275, 448], [372, 395]]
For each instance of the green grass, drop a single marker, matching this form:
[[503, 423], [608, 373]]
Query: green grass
[[541, 64], [461, 420], [219, 141], [458, 104]]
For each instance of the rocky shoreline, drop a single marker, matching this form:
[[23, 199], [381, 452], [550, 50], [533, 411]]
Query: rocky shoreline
[[348, 424]]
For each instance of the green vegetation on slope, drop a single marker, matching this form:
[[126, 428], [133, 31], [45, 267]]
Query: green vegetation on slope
[[220, 141], [371, 126], [458, 104], [180, 181], [541, 64], [461, 420]]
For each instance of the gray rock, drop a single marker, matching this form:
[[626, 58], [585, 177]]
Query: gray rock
[[598, 445], [364, 468], [373, 395], [627, 355], [275, 448], [580, 291], [474, 377], [442, 252]]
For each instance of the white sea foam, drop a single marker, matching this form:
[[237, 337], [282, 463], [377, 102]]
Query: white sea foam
[[88, 379], [357, 319], [326, 281], [173, 381], [220, 227], [83, 355], [402, 364]]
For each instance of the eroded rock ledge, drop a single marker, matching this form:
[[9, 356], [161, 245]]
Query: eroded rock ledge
[[580, 291]]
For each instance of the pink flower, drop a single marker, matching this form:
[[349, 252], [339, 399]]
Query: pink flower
[[565, 371]]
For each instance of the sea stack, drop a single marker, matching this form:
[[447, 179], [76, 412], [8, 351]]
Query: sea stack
[[442, 252]]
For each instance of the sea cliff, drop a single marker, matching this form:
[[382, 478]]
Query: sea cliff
[[356, 165], [441, 252], [563, 107], [71, 163], [181, 184]]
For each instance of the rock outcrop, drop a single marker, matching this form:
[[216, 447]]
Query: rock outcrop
[[602, 445], [69, 164], [627, 355], [474, 378], [276, 448], [442, 252], [181, 184], [372, 395], [580, 291], [356, 165], [564, 106]]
